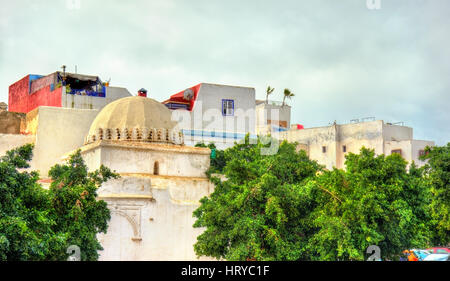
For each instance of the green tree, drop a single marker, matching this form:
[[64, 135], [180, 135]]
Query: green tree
[[217, 163], [375, 201], [269, 91], [287, 94], [75, 207], [286, 207], [438, 178], [26, 229], [40, 224], [260, 212]]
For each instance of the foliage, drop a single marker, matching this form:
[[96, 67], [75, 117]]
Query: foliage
[[287, 207], [269, 91], [260, 211], [26, 230], [40, 224], [216, 164], [287, 94], [375, 201], [438, 178], [75, 209]]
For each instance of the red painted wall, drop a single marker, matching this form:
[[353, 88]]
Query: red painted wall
[[18, 95], [179, 96], [44, 97], [21, 101]]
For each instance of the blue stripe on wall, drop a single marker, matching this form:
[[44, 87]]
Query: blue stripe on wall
[[224, 135]]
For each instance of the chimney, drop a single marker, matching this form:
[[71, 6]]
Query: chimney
[[142, 93]]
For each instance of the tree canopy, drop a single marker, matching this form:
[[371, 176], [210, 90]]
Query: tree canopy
[[259, 212], [287, 207], [40, 224], [437, 171], [375, 201]]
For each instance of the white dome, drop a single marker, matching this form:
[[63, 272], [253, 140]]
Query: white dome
[[135, 119]]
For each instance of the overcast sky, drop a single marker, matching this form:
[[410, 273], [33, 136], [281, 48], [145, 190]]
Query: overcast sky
[[342, 60]]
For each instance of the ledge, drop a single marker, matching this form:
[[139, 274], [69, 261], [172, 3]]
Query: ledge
[[165, 177], [170, 148], [126, 196]]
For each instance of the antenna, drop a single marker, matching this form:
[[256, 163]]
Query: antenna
[[64, 73], [75, 69], [188, 94]]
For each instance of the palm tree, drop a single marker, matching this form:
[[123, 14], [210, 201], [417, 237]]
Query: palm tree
[[287, 94], [268, 92]]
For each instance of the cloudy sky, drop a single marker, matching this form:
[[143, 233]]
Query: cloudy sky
[[340, 58]]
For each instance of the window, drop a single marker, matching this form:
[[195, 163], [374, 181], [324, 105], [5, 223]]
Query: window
[[344, 148], [156, 168], [227, 107], [422, 153], [398, 151], [324, 149]]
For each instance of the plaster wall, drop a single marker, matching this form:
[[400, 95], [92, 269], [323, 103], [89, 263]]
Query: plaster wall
[[18, 95], [265, 112], [416, 146], [146, 222], [397, 133], [404, 146], [315, 138], [58, 131], [207, 111], [91, 102], [358, 135], [131, 160], [206, 117], [375, 135], [21, 99], [151, 215], [410, 149], [10, 141]]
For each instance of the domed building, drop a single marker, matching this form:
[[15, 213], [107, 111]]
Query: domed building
[[160, 186], [135, 119]]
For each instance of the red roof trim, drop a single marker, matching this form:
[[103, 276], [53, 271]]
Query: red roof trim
[[179, 97]]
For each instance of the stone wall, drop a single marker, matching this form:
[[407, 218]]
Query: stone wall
[[11, 122]]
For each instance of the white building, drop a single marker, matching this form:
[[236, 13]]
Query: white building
[[161, 182], [329, 145], [223, 114]]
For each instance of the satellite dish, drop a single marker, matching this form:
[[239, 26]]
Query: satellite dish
[[188, 94]]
